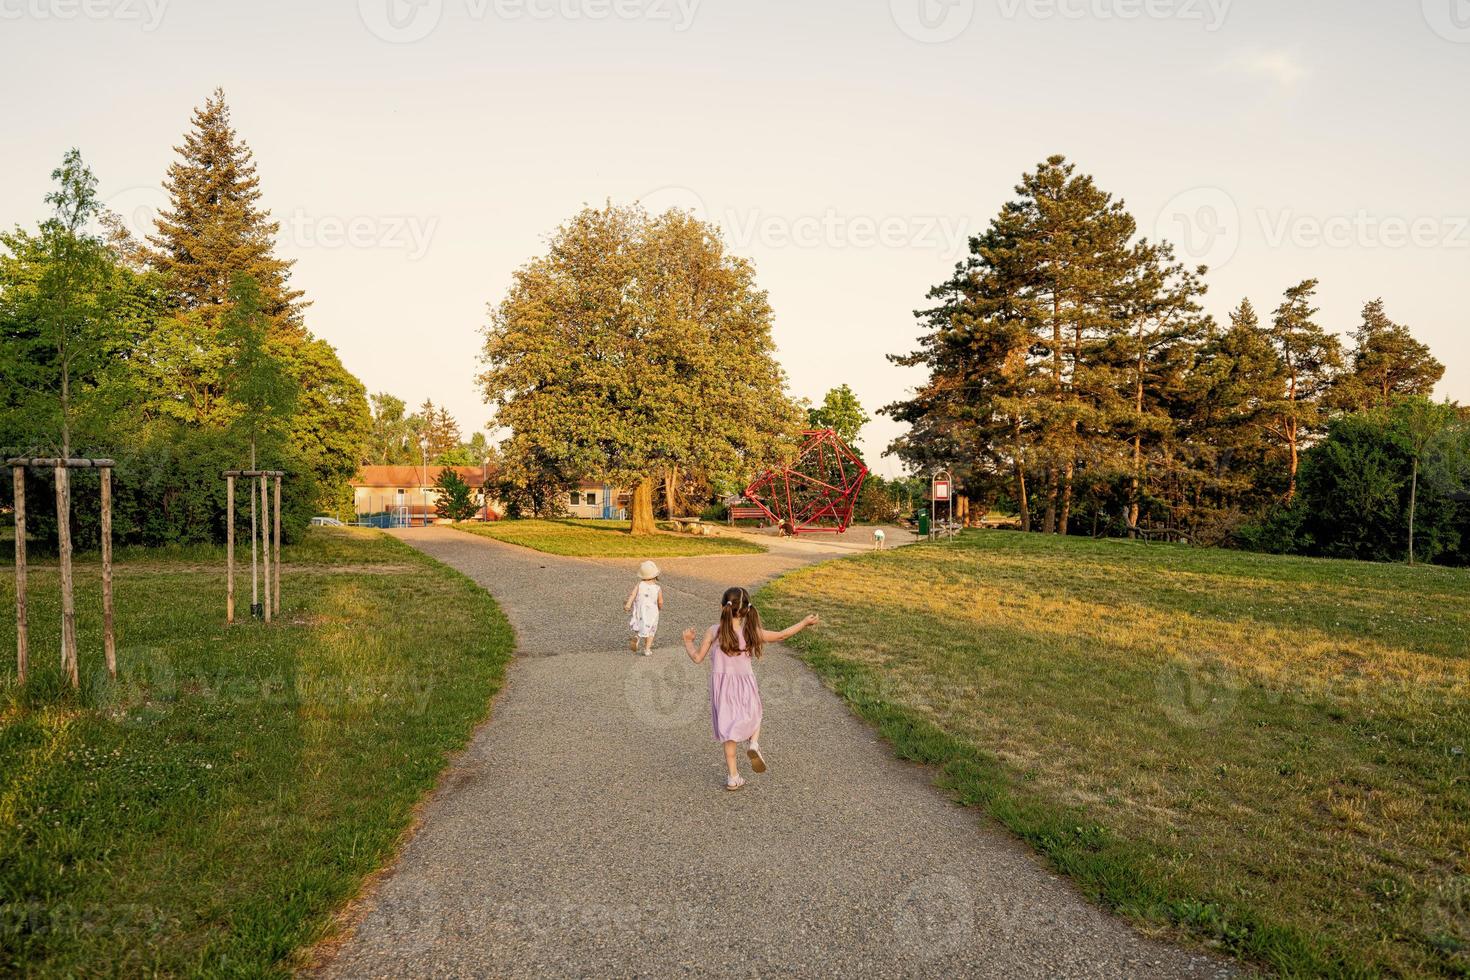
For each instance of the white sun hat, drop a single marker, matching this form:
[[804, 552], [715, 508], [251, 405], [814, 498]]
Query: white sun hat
[[647, 570]]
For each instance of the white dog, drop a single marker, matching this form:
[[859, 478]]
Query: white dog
[[879, 538]]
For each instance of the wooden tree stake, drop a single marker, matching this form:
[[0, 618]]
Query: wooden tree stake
[[265, 548], [229, 549], [276, 594], [109, 641], [68, 600], [22, 631], [254, 580]]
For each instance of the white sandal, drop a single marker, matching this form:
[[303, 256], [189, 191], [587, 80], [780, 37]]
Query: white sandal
[[734, 783], [757, 761]]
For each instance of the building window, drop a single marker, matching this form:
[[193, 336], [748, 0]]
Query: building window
[[576, 498], [591, 499]]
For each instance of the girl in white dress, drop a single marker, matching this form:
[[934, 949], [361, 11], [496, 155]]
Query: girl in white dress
[[645, 602]]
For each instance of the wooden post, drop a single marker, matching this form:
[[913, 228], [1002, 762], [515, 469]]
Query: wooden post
[[22, 632], [68, 600], [265, 547], [254, 580], [229, 547], [276, 594], [109, 642]]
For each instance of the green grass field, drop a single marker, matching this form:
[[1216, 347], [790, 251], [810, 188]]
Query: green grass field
[[605, 539], [208, 813], [1268, 755]]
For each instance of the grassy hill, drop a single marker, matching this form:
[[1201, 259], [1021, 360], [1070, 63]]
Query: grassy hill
[[1266, 754]]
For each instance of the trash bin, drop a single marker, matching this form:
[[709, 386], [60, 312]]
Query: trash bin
[[923, 516]]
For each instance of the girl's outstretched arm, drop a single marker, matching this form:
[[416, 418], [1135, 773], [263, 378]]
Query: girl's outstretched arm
[[628, 606], [776, 636], [698, 655]]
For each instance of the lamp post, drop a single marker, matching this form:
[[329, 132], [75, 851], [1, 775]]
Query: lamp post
[[424, 486]]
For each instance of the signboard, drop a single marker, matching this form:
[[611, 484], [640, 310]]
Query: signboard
[[941, 489]]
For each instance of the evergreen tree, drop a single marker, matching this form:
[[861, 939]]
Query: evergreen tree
[[1310, 358], [456, 501], [215, 228], [1386, 361]]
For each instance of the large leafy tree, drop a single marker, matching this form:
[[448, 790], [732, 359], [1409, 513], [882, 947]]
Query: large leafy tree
[[635, 347], [841, 412]]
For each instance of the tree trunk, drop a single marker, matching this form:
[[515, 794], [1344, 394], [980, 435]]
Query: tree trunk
[[1133, 486], [1021, 501], [643, 507], [22, 619], [671, 494], [1413, 502], [1066, 515], [68, 600], [1049, 516]]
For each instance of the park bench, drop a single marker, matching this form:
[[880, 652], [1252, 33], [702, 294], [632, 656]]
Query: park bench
[[746, 514]]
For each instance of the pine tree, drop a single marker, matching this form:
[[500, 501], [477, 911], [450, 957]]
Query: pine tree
[[1386, 362], [215, 228], [1310, 358]]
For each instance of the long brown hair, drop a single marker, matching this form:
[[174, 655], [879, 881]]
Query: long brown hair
[[736, 604]]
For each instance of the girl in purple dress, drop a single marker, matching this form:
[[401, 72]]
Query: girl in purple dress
[[734, 697]]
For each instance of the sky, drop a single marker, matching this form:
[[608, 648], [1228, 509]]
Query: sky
[[417, 152]]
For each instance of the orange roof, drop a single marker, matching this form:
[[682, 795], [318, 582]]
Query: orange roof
[[413, 476]]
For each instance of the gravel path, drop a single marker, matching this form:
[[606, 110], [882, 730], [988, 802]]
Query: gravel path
[[585, 831]]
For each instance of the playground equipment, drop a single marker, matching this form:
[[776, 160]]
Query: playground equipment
[[62, 468], [272, 603], [941, 497], [817, 492]]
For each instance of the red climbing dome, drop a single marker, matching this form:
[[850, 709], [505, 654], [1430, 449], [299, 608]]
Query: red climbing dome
[[817, 492]]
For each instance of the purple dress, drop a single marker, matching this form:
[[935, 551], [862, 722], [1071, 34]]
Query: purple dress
[[734, 696]]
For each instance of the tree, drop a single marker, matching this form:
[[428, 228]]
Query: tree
[[61, 315], [1418, 424], [841, 412], [1386, 361], [1310, 358], [391, 434], [215, 228], [256, 382], [637, 346], [456, 500], [1028, 351]]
